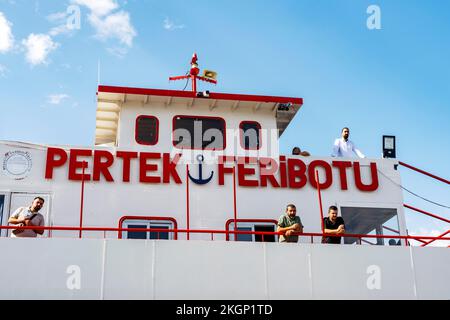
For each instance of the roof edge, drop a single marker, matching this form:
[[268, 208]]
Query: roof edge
[[190, 94]]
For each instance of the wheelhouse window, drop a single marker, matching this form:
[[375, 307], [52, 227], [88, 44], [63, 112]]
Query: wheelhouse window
[[200, 133], [157, 225], [250, 135], [253, 226], [371, 221], [146, 130]]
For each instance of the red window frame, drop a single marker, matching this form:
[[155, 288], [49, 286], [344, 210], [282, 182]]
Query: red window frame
[[136, 130], [201, 117], [241, 134], [168, 219]]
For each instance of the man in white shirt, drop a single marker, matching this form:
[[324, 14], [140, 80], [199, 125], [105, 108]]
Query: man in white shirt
[[28, 216], [344, 147]]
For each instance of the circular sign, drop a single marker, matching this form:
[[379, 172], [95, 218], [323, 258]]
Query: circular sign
[[17, 164]]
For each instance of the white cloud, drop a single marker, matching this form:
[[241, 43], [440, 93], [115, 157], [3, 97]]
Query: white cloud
[[432, 233], [107, 23], [57, 98], [98, 8], [116, 25], [38, 47], [6, 36], [67, 21], [60, 30], [169, 25], [57, 16]]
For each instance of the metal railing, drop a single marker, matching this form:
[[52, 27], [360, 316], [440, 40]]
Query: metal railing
[[360, 237], [425, 212], [424, 172], [424, 243], [311, 235]]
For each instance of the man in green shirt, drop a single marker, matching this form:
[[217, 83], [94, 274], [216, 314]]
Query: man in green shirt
[[289, 223]]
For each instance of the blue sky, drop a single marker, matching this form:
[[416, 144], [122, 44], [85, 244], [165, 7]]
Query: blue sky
[[395, 80]]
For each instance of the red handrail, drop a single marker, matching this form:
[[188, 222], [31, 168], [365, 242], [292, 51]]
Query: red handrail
[[398, 232], [437, 238], [304, 234], [187, 200], [424, 172], [234, 198], [82, 197], [426, 213], [422, 211], [390, 229], [320, 200]]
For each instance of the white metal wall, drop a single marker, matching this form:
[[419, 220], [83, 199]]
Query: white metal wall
[[135, 269], [211, 205]]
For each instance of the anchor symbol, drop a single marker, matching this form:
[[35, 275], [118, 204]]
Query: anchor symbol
[[200, 179]]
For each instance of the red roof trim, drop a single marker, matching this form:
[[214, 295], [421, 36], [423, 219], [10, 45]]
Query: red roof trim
[[190, 94]]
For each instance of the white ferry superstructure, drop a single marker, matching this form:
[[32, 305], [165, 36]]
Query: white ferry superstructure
[[182, 171]]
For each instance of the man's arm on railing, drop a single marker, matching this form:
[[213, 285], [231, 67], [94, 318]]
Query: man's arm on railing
[[281, 229], [288, 230], [29, 223], [339, 230]]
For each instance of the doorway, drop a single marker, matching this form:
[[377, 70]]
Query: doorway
[[24, 199]]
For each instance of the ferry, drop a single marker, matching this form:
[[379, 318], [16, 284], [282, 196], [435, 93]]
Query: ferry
[[180, 196]]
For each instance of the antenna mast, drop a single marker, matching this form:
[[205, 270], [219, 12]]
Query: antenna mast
[[193, 75]]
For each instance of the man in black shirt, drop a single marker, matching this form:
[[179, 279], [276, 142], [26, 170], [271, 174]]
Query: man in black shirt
[[333, 225]]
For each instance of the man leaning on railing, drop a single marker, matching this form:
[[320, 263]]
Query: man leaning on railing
[[333, 225], [27, 217], [288, 224]]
